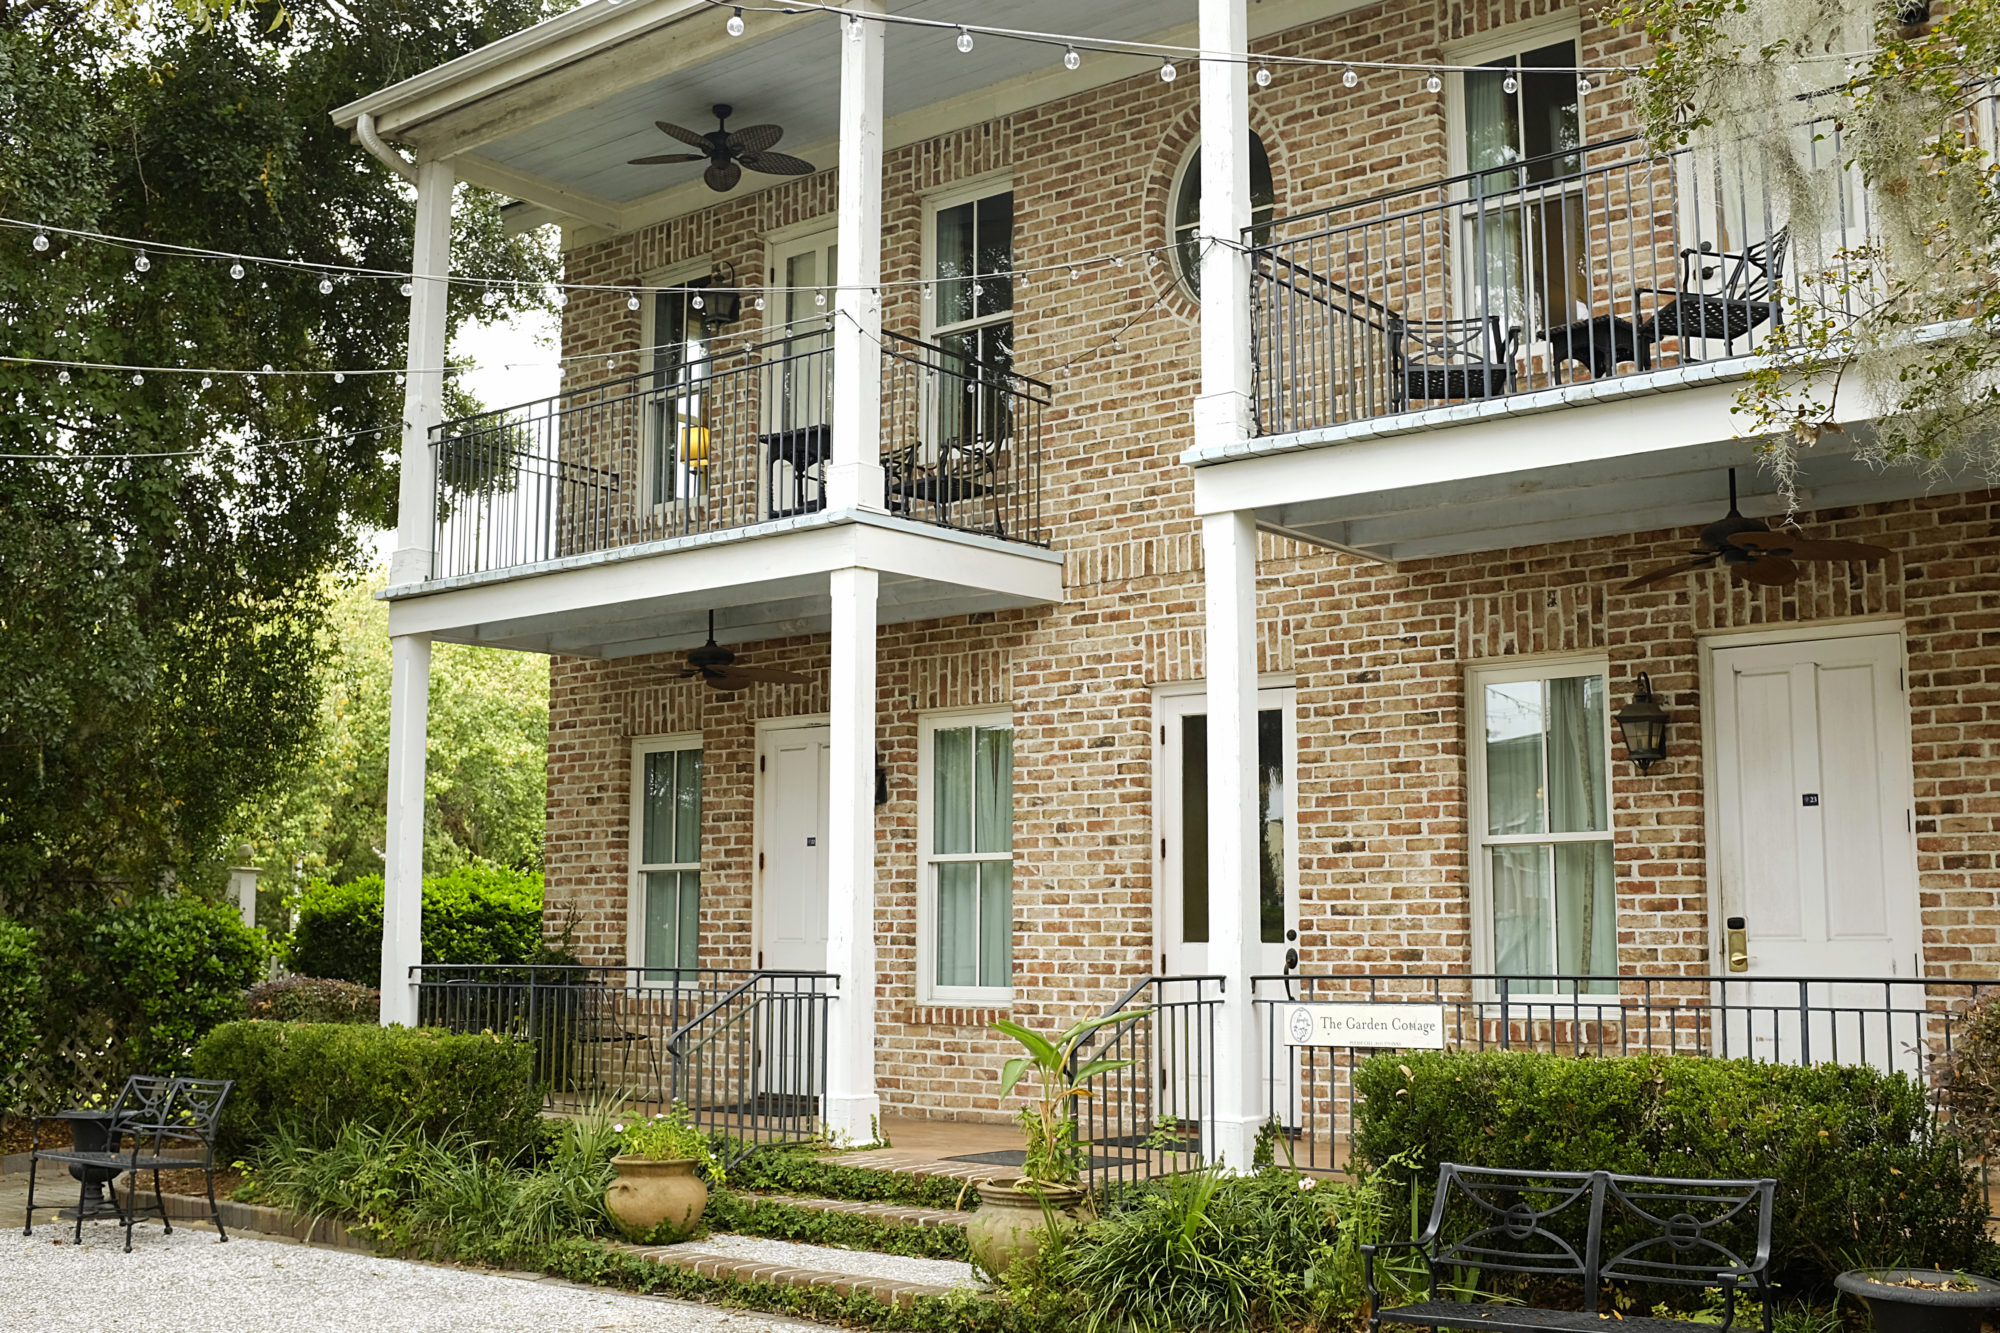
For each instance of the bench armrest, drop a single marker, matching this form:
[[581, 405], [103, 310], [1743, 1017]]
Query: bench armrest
[[1368, 1253]]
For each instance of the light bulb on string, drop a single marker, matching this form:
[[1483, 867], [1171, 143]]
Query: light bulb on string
[[1349, 79], [142, 263], [340, 377], [1073, 274], [1433, 84], [1263, 77], [326, 286], [1510, 85], [757, 304], [1071, 59], [41, 241], [137, 379], [400, 377], [735, 25], [206, 381], [62, 377], [819, 298], [697, 301], [964, 39], [560, 299], [407, 288], [267, 368], [236, 272], [1167, 71], [1583, 84], [632, 301], [610, 364]]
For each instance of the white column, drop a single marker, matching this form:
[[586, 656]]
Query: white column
[[403, 871], [423, 381], [850, 853], [854, 476], [1229, 545], [243, 888], [1229, 554]]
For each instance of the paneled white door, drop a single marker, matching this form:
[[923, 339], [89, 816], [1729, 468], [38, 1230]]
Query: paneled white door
[[1816, 855], [791, 856]]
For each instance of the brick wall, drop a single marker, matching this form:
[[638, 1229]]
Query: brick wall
[[1377, 656]]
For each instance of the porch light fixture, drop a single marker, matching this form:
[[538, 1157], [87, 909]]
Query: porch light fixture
[[1643, 724], [720, 303]]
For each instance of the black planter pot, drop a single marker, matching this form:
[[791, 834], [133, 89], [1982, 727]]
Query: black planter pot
[[1921, 1309]]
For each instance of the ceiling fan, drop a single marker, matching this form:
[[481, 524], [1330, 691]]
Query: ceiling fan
[[729, 153], [1754, 553], [717, 667]]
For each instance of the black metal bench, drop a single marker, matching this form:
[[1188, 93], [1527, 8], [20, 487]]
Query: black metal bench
[[1554, 1225], [156, 1125]]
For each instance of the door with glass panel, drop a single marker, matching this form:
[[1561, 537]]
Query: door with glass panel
[[675, 459], [667, 860], [1181, 892], [968, 859], [797, 383], [1541, 814], [1521, 257], [972, 319]]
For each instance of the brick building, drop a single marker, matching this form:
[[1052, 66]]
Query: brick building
[[1191, 567]]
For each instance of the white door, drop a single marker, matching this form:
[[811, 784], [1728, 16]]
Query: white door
[[791, 860], [797, 388], [1181, 890], [1817, 858]]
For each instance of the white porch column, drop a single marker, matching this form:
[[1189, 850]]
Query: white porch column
[[403, 871], [1229, 546], [850, 854], [854, 476], [410, 654]]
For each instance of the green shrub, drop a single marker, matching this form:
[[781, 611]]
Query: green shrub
[[22, 995], [750, 1215], [143, 981], [311, 1079], [313, 1000], [1864, 1174], [475, 914], [804, 1172]]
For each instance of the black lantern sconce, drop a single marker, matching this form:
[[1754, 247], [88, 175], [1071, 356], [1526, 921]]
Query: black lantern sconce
[[1643, 724], [881, 784], [721, 303]]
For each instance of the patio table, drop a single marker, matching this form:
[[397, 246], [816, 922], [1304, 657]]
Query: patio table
[[1600, 342]]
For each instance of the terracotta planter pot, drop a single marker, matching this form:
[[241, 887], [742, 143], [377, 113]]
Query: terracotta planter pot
[[1900, 1309], [652, 1190], [1010, 1222]]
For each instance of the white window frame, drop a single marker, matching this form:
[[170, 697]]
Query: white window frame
[[672, 276], [635, 902], [928, 991], [1174, 187], [961, 192], [1478, 675], [1511, 40]]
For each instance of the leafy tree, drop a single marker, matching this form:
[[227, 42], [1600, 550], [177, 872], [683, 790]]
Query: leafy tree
[[161, 615], [1913, 315], [486, 772]]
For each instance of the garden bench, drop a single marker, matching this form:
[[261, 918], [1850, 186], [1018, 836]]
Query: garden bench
[[154, 1125], [1592, 1227]]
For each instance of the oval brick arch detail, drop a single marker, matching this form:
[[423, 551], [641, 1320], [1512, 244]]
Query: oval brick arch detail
[[1161, 173]]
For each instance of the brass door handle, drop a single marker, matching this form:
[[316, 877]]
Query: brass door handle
[[1739, 944]]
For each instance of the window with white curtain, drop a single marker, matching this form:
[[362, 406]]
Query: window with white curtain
[[1541, 809], [966, 833], [666, 855]]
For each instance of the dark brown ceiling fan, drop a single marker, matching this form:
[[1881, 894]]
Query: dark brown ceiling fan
[[1752, 552], [717, 667], [729, 153]]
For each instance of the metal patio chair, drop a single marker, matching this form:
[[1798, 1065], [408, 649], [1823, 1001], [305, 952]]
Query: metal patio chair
[[1749, 296], [144, 1097], [175, 1135], [1442, 360]]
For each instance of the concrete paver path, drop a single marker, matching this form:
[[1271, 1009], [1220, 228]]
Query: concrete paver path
[[191, 1281]]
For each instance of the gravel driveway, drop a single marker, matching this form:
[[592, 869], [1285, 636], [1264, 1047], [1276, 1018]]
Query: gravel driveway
[[190, 1281]]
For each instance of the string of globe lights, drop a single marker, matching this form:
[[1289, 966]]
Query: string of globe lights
[[1073, 45], [84, 457]]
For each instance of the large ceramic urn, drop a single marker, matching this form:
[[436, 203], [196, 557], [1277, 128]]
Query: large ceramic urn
[[1014, 1215], [654, 1190]]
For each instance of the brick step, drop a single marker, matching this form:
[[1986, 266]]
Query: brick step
[[897, 1214], [748, 1268]]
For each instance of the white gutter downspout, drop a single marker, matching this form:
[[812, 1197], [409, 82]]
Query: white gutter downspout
[[364, 129]]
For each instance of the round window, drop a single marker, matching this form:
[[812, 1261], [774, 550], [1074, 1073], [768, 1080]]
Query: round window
[[1186, 214]]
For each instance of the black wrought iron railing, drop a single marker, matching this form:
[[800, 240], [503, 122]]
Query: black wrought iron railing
[[1599, 261], [1151, 1116], [743, 1051], [1898, 1024], [738, 437]]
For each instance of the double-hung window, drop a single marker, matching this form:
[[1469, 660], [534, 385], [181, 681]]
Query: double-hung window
[[966, 832], [666, 855], [972, 318], [1542, 875]]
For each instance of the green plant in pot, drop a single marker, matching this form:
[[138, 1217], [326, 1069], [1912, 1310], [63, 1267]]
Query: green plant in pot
[[1014, 1212], [663, 1176]]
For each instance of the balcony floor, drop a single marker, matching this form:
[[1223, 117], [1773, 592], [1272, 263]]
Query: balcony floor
[[766, 581]]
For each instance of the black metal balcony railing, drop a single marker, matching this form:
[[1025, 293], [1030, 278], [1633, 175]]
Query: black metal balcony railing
[[1154, 1115], [739, 437], [1897, 1024], [743, 1051], [1600, 261]]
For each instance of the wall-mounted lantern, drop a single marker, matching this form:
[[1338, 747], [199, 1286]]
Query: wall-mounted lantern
[[722, 304], [1643, 724]]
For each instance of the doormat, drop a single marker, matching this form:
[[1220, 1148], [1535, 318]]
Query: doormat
[[1019, 1157]]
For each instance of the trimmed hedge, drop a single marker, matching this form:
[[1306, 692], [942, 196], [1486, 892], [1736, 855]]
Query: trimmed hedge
[[311, 1078], [1865, 1175], [475, 914], [312, 1000], [22, 994]]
